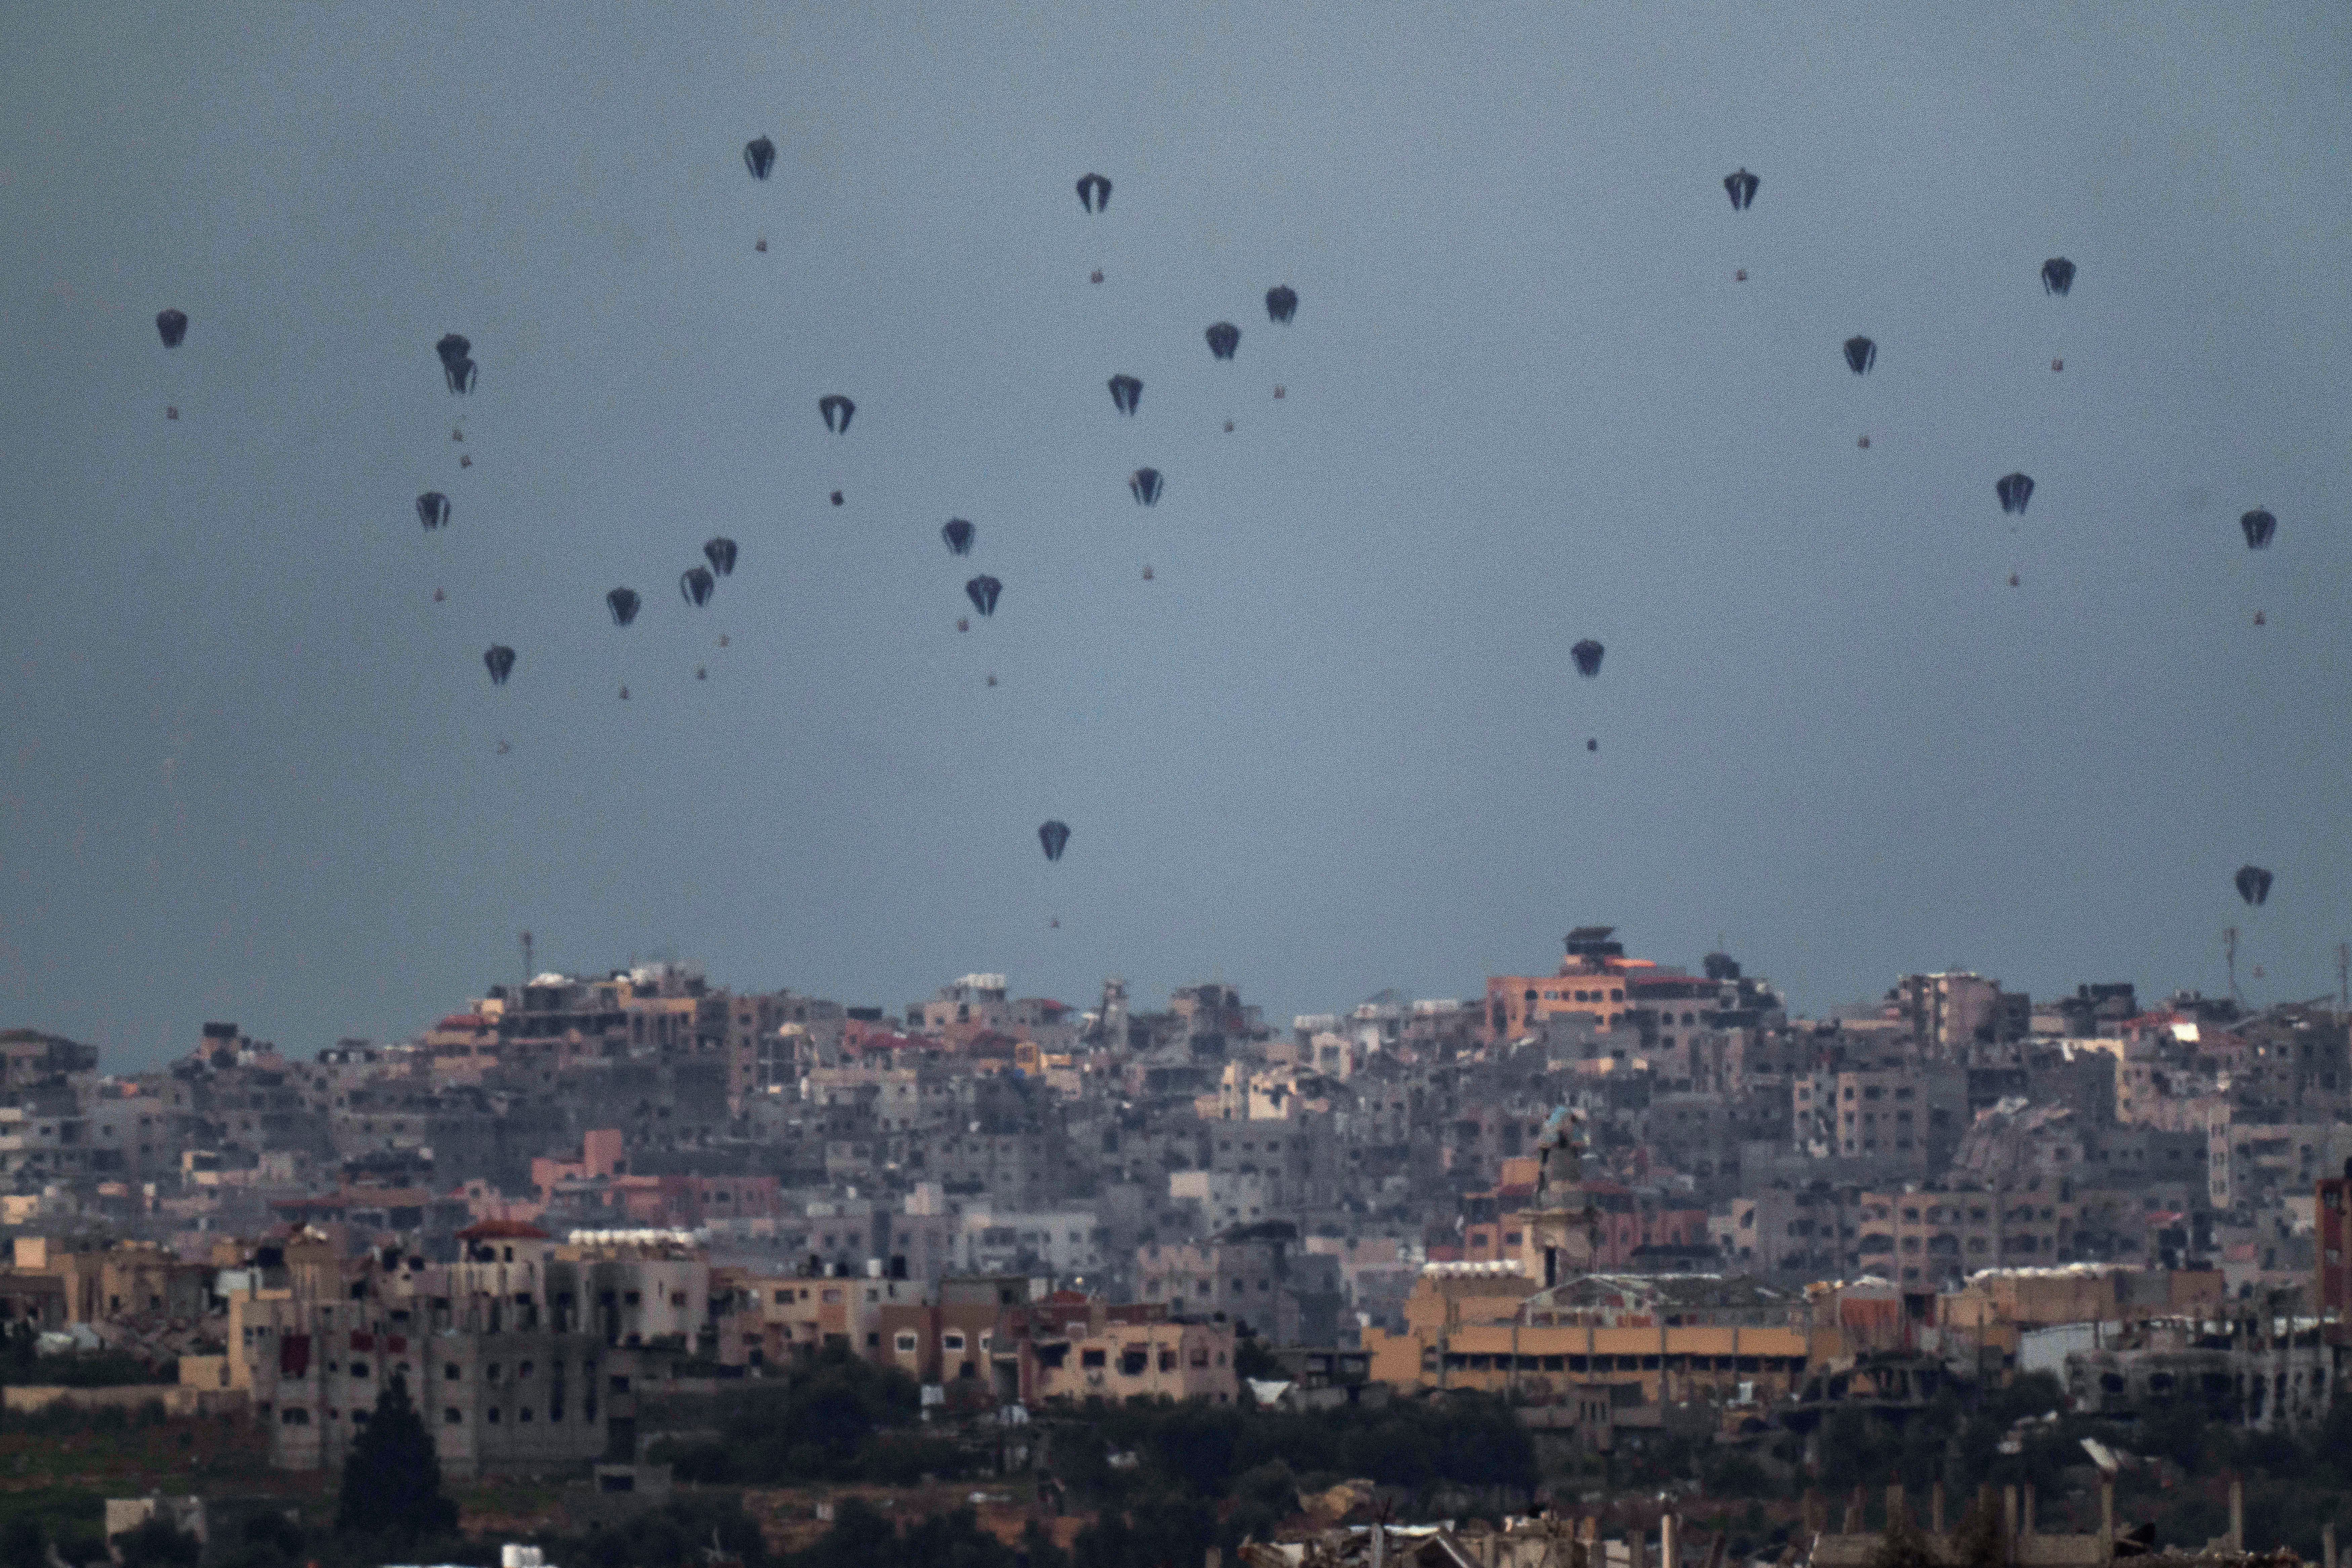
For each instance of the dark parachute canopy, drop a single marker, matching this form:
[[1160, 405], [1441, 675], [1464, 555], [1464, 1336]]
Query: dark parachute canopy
[[1860, 353], [1587, 655], [622, 602], [499, 662], [1126, 392], [1281, 304], [457, 353], [173, 325], [720, 553], [1144, 485], [1740, 185], [759, 156], [2014, 490], [433, 509], [983, 591], [959, 535], [2259, 525], [2057, 275], [838, 411], [1055, 836], [1223, 339], [2253, 884], [1094, 193], [696, 583]]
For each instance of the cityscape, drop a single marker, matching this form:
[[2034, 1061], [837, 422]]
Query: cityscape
[[1514, 786], [1636, 1203]]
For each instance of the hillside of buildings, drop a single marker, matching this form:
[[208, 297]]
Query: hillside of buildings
[[660, 1264]]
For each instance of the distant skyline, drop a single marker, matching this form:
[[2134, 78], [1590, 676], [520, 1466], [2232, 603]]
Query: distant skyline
[[250, 768]]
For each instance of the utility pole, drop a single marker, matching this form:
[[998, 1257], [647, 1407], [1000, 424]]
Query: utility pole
[[526, 958], [2229, 958], [2343, 980]]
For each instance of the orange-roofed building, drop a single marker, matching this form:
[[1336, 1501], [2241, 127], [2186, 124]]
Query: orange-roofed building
[[1590, 982]]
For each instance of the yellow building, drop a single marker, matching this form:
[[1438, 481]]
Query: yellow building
[[1638, 1342]]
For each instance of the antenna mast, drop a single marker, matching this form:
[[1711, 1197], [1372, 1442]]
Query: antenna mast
[[2229, 958], [526, 958], [2343, 980]]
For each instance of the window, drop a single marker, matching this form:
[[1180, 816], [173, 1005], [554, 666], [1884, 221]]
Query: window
[[905, 1343], [451, 1372], [453, 1416], [294, 1416], [952, 1341], [1090, 1359]]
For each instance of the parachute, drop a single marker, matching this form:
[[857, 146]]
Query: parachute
[[1740, 185], [2014, 490], [2253, 884], [1223, 339], [695, 584], [2057, 275], [1126, 392], [1055, 836], [1094, 193], [433, 509], [759, 156], [1281, 304], [959, 535], [838, 411], [1587, 655], [2259, 525], [499, 662], [1860, 353], [622, 602], [720, 553], [1144, 485], [456, 361], [983, 591], [173, 325], [836, 498]]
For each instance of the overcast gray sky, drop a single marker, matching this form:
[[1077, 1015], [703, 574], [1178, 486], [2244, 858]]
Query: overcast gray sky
[[251, 768]]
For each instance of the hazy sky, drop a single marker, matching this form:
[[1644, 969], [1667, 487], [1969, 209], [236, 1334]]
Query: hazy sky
[[251, 768]]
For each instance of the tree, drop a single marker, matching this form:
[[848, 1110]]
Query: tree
[[391, 1482], [158, 1544], [23, 1544]]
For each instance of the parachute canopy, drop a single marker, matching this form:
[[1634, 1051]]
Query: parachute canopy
[[456, 361], [499, 662], [983, 591], [959, 535], [838, 411], [2014, 490], [2253, 884], [433, 509], [622, 602], [1860, 353], [1223, 339], [1144, 485], [1740, 185], [1126, 392], [2057, 275], [2259, 525], [1587, 655], [1094, 193], [759, 156], [1055, 836], [1281, 304], [695, 584], [720, 553], [173, 325]]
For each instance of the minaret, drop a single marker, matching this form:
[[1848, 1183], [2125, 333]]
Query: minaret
[[1558, 1230]]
